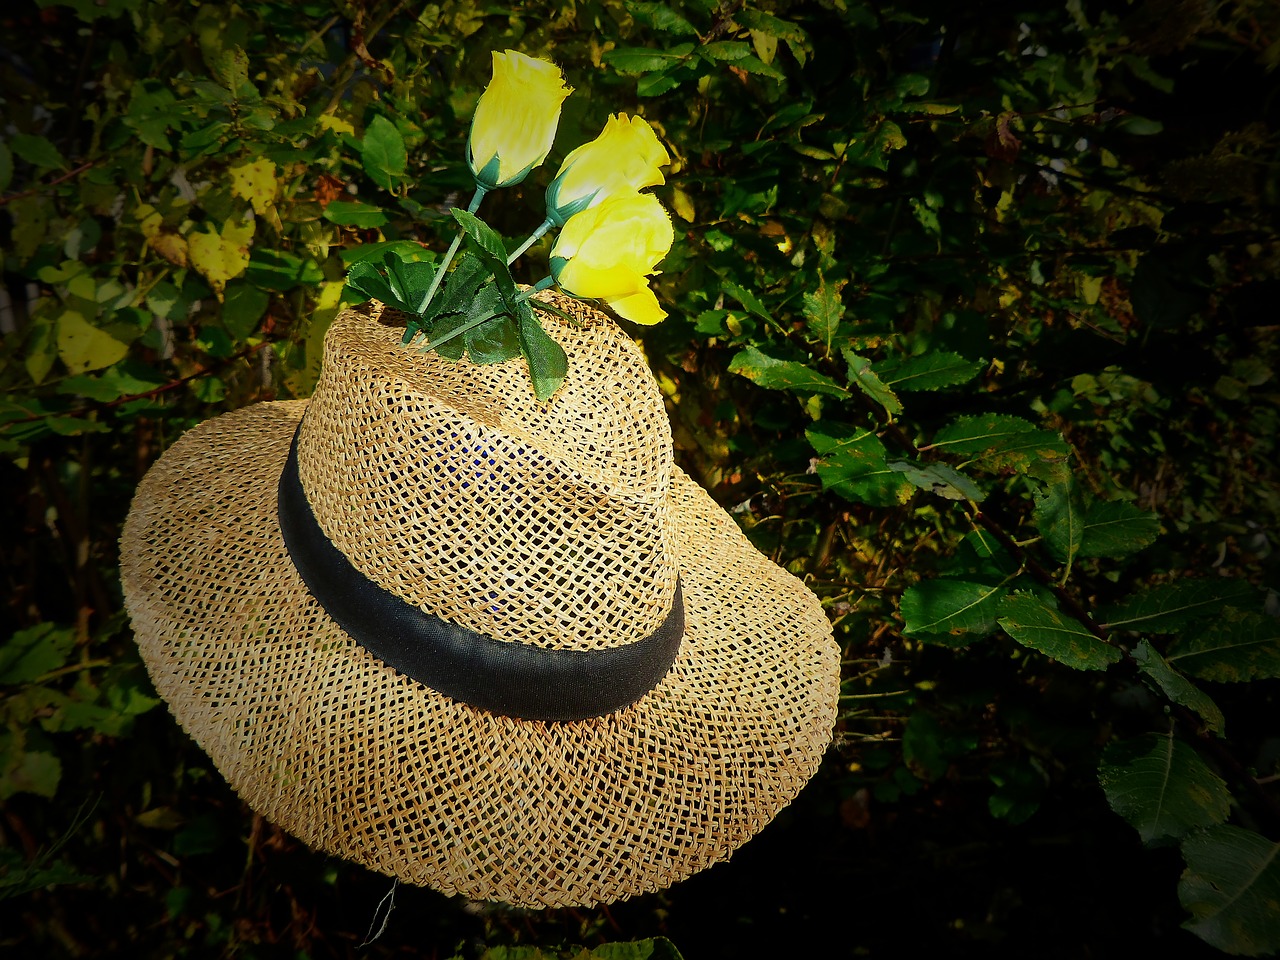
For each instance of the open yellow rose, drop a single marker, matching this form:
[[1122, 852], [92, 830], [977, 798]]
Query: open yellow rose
[[607, 252], [515, 121], [625, 158]]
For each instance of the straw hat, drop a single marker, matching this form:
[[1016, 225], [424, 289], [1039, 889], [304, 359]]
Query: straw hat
[[614, 688]]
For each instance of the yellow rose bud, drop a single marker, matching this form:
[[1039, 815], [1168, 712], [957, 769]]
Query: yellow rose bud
[[608, 251], [515, 121], [624, 158]]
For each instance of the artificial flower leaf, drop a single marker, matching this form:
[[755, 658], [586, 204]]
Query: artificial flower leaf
[[548, 363]]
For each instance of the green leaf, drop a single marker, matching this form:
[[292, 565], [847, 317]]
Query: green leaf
[[853, 466], [873, 148], [37, 151], [383, 153], [243, 306], [1164, 608], [1059, 517], [548, 363], [861, 374], [940, 480], [747, 299], [281, 271], [823, 309], [775, 374], [773, 26], [933, 371], [1115, 528], [481, 233], [753, 64], [463, 285], [1161, 787], [1234, 647], [1177, 687], [26, 771], [446, 335], [362, 215], [111, 384], [633, 61], [1019, 788], [33, 652], [367, 282], [1232, 890], [661, 17], [656, 84], [928, 749], [1036, 625], [409, 280], [495, 341], [958, 610], [725, 50], [1000, 441]]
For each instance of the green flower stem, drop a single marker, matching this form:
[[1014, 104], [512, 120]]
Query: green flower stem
[[459, 331], [536, 288], [472, 207], [534, 237]]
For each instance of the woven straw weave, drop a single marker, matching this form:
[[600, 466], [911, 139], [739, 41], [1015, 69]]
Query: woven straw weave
[[561, 524]]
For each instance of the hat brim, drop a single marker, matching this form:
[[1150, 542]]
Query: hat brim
[[340, 750]]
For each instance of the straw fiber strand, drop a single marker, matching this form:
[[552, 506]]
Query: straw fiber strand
[[356, 759]]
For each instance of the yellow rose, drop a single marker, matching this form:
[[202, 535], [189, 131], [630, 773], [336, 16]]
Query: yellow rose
[[515, 121], [608, 251], [624, 158]]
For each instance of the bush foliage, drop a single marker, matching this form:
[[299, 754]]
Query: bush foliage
[[972, 326]]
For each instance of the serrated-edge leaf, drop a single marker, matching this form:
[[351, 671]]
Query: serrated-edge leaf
[[950, 606], [1169, 605], [861, 374], [382, 151], [932, 371], [1235, 646], [1231, 888], [1059, 516], [548, 363], [775, 374], [661, 17], [973, 434], [747, 299], [940, 480], [1068, 641], [1116, 528], [633, 61], [1161, 787], [1177, 687]]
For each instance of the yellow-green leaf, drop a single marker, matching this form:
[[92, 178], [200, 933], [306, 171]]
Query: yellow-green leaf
[[83, 347], [257, 182], [221, 256]]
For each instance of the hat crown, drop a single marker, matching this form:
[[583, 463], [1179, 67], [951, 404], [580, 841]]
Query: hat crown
[[451, 486]]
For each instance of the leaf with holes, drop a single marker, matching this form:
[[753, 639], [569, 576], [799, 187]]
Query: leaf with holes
[[940, 480], [853, 465]]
